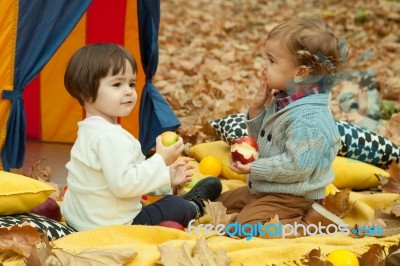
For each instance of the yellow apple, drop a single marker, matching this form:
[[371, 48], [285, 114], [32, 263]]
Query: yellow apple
[[168, 138], [192, 183]]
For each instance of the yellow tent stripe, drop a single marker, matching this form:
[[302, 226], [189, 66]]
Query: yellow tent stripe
[[8, 37]]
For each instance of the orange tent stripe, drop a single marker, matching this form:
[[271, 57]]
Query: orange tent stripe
[[131, 123], [60, 112], [8, 35]]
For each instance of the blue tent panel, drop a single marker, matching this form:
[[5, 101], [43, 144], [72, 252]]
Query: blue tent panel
[[43, 26], [156, 116]]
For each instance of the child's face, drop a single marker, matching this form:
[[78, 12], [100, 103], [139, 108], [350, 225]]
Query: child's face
[[116, 96], [280, 67]]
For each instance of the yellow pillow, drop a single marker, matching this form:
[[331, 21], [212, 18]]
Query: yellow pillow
[[350, 173], [20, 193], [220, 150]]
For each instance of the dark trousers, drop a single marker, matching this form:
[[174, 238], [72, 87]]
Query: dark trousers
[[169, 208]]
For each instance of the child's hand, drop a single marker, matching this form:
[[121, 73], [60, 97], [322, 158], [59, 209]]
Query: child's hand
[[179, 173], [171, 153], [261, 98], [240, 168]]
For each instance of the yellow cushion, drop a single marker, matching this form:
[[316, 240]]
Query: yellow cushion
[[350, 173], [20, 193], [220, 150]]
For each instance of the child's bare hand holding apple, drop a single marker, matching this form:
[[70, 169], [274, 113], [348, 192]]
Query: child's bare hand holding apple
[[244, 150], [169, 153], [240, 168]]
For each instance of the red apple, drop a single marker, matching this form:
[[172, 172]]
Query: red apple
[[62, 192], [168, 138], [49, 209], [172, 224], [244, 150]]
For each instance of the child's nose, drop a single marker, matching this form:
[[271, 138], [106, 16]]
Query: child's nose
[[128, 91]]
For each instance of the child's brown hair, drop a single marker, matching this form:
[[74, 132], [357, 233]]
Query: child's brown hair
[[90, 64], [312, 42]]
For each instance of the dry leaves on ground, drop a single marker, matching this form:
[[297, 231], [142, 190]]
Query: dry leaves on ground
[[26, 242], [43, 173], [18, 240], [218, 214], [373, 257], [338, 203], [211, 53], [200, 254], [391, 184]]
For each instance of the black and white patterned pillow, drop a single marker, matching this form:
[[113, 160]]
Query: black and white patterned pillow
[[230, 127], [356, 142], [41, 223], [366, 146]]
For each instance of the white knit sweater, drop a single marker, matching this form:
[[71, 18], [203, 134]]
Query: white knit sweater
[[107, 175], [297, 146]]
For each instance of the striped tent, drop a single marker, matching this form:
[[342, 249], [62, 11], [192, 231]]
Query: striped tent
[[37, 38]]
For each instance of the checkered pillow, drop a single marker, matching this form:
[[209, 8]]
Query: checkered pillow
[[40, 223], [356, 142]]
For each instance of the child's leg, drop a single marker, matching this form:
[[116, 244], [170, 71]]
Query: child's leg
[[171, 208], [235, 200], [289, 209]]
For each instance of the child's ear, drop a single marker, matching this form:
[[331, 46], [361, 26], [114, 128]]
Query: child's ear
[[302, 71], [85, 99]]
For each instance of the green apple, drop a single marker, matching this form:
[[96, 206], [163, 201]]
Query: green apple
[[168, 138], [192, 183]]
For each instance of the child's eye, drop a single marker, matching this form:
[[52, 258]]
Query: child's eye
[[132, 84], [117, 85]]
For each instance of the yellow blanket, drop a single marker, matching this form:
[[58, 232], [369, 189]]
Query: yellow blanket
[[145, 239]]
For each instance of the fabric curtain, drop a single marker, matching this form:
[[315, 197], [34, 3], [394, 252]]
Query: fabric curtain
[[42, 27], [156, 116]]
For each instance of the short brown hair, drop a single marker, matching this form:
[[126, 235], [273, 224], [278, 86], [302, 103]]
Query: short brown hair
[[312, 42], [90, 64]]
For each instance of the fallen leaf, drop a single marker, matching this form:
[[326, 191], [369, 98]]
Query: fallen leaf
[[391, 184], [393, 258], [19, 239], [40, 254], [217, 211], [338, 203], [373, 257], [203, 255], [39, 173], [275, 224], [389, 213], [87, 257], [173, 256], [313, 258], [209, 257]]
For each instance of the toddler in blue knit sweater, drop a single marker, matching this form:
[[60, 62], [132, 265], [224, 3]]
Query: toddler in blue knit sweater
[[294, 128]]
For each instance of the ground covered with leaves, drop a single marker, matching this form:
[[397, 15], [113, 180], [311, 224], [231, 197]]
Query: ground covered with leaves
[[211, 55]]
